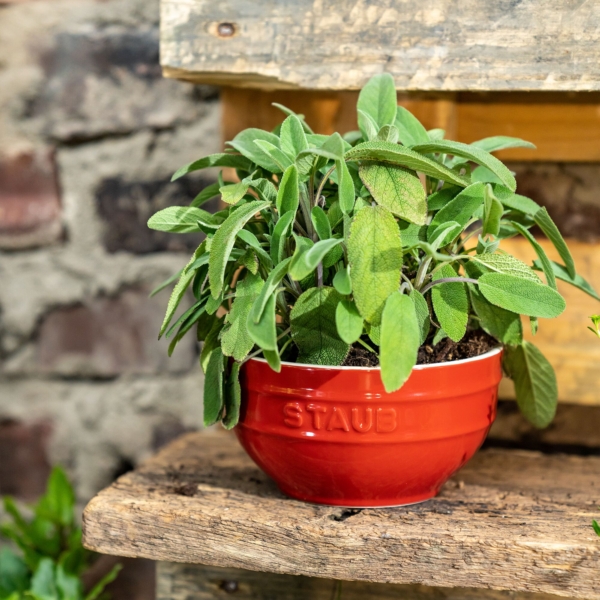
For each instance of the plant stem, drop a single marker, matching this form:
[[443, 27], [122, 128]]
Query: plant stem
[[322, 184], [320, 275], [365, 345], [448, 280]]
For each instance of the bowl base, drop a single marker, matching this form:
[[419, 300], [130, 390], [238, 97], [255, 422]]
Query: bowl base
[[359, 503]]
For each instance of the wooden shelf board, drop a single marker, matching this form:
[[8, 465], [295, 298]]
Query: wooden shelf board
[[509, 520], [473, 45]]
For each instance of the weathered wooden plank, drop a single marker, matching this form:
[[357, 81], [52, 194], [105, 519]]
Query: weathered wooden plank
[[198, 582], [510, 520], [564, 127], [338, 45]]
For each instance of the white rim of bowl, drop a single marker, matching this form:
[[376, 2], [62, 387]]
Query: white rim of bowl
[[462, 361]]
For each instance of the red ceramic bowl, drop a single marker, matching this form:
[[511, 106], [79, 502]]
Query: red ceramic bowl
[[332, 435]]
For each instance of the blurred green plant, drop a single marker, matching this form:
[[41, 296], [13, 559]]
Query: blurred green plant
[[596, 328], [52, 558]]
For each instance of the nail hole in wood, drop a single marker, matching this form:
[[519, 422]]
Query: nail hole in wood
[[226, 29]]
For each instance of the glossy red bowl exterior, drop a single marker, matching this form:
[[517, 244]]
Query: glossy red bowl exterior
[[332, 435]]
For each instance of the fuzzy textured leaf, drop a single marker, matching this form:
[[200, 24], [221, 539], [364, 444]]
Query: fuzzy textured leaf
[[232, 397], [177, 219], [422, 312], [375, 257], [223, 242], [288, 195], [521, 296], [399, 155], [264, 331], [348, 321], [502, 324], [451, 304], [293, 137], [213, 388], [378, 99], [547, 225], [342, 282], [506, 263], [314, 329], [409, 128], [279, 236], [473, 153], [215, 160], [535, 383], [244, 143], [501, 142], [235, 339], [460, 209], [543, 258], [400, 341], [578, 281], [397, 189]]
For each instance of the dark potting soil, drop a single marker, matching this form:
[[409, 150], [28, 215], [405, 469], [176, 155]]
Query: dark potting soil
[[473, 344]]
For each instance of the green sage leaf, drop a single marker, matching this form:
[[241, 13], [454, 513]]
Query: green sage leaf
[[422, 312], [506, 263], [535, 383], [400, 341], [313, 328], [213, 388], [214, 160], [235, 339], [378, 99], [472, 153], [410, 129], [543, 258], [460, 209], [264, 331], [502, 324], [342, 282], [321, 223], [310, 259], [232, 397], [547, 225], [399, 155], [177, 219], [288, 195], [244, 143], [293, 137], [397, 189], [450, 303], [348, 321], [280, 236], [501, 142], [223, 242], [578, 281], [375, 257], [521, 296]]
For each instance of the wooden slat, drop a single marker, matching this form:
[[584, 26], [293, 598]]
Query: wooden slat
[[564, 127], [510, 520], [199, 582], [339, 44]]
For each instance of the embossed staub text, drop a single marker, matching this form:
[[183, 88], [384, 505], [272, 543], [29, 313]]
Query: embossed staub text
[[322, 417]]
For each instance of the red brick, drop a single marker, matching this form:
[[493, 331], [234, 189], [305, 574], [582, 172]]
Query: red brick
[[29, 201], [24, 467], [109, 336]]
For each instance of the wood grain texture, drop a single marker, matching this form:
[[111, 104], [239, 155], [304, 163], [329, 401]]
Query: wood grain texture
[[509, 521], [199, 582], [564, 127], [573, 351], [338, 45]]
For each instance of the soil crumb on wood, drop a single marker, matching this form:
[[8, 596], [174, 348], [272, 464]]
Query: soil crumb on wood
[[473, 344]]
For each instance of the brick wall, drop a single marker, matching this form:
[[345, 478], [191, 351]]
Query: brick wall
[[90, 134]]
